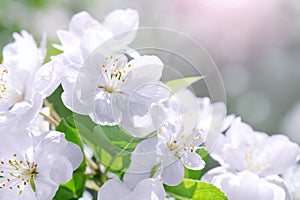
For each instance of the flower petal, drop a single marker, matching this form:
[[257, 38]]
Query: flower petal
[[292, 179], [106, 110], [288, 151], [143, 160], [45, 188], [122, 24], [145, 67], [245, 185], [81, 22], [23, 53], [145, 125], [209, 176], [46, 79], [192, 161], [113, 189], [69, 97], [120, 21], [58, 163], [74, 155], [68, 41], [141, 99], [95, 40], [148, 189], [173, 174]]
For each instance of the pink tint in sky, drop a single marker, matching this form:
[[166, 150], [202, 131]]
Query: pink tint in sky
[[245, 26]]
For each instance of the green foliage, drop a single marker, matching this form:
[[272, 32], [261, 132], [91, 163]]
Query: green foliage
[[195, 190], [179, 84], [51, 51], [59, 106], [112, 145], [35, 3]]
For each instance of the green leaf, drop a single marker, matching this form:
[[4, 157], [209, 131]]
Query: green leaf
[[179, 84], [194, 190], [112, 145], [59, 106], [120, 137], [115, 148]]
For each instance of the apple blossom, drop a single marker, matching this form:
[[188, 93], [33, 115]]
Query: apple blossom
[[242, 148], [179, 140], [86, 34], [113, 91], [182, 129], [33, 165], [244, 185], [114, 85], [250, 165], [24, 81]]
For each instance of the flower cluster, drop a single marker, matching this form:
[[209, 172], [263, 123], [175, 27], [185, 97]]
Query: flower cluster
[[252, 158], [111, 83], [34, 159]]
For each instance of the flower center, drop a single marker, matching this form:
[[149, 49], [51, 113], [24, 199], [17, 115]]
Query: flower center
[[181, 143], [16, 174], [256, 160], [114, 74], [172, 145]]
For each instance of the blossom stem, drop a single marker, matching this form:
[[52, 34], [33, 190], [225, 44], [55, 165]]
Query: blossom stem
[[50, 119], [52, 110], [154, 170], [92, 164], [92, 185]]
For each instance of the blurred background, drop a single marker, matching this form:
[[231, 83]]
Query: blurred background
[[254, 43]]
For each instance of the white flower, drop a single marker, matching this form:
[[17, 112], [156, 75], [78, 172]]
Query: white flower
[[87, 32], [292, 178], [245, 185], [113, 91], [183, 128], [178, 141], [244, 149], [251, 162], [24, 82], [147, 189], [32, 167]]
